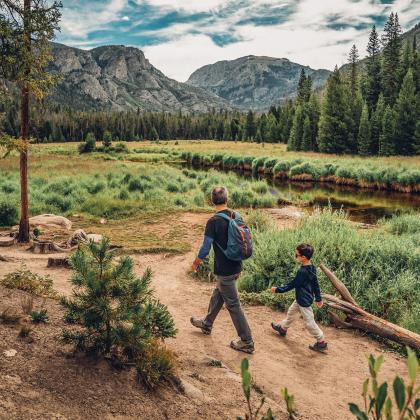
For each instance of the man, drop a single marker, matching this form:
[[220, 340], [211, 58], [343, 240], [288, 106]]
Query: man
[[227, 272]]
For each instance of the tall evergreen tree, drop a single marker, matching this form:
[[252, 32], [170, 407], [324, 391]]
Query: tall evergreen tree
[[376, 125], [363, 139], [296, 132], [373, 70], [353, 79], [406, 116], [306, 144], [391, 41], [314, 112], [250, 127], [416, 65], [387, 137], [302, 87], [333, 123]]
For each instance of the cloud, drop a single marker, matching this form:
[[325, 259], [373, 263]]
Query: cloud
[[178, 36]]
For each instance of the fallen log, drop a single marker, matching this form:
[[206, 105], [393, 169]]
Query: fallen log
[[46, 247], [356, 317]]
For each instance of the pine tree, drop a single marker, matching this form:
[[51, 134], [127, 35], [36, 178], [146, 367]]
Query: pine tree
[[391, 41], [376, 125], [250, 126], [116, 311], [333, 123], [89, 145], [314, 112], [373, 70], [387, 137], [295, 138], [416, 65], [406, 116], [354, 80], [306, 144], [302, 87], [363, 138], [107, 139], [406, 62], [154, 136]]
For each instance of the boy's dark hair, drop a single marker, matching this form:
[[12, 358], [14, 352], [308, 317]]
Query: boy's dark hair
[[305, 250], [219, 195]]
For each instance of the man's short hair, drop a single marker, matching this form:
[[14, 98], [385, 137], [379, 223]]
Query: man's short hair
[[219, 195], [305, 250]]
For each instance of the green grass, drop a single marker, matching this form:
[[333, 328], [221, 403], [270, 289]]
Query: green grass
[[381, 268]]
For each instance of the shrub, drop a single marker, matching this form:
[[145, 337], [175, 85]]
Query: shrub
[[305, 168], [89, 145], [259, 220], [121, 148], [116, 313], [63, 204], [403, 224], [172, 187], [25, 280], [39, 316], [107, 139], [95, 188], [8, 214], [123, 195], [379, 405]]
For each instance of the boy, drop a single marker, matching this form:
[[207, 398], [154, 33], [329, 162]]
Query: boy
[[306, 285]]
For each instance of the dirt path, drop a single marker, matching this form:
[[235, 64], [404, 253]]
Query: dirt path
[[323, 384]]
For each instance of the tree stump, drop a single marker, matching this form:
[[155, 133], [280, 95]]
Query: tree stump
[[6, 241], [58, 262]]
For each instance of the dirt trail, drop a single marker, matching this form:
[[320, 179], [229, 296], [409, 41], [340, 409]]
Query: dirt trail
[[323, 384]]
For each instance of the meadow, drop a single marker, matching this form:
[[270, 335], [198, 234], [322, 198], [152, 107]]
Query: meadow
[[380, 266]]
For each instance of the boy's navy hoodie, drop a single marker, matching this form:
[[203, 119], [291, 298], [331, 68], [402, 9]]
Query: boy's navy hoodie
[[306, 285]]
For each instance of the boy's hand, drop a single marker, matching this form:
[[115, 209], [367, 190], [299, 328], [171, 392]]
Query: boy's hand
[[273, 289], [319, 304]]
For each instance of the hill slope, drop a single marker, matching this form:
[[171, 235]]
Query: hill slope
[[254, 82], [120, 78]]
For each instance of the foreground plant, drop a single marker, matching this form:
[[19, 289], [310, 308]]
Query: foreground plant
[[380, 404], [289, 399], [252, 412], [117, 315]]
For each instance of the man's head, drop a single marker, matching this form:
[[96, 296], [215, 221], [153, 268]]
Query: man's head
[[304, 253], [219, 196]]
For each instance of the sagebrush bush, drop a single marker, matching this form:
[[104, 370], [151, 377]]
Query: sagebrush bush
[[9, 214]]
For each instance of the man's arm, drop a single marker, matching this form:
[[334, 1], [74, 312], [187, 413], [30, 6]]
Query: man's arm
[[317, 290], [203, 252], [209, 235]]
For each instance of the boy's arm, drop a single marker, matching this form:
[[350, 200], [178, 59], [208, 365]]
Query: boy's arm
[[317, 290], [296, 282]]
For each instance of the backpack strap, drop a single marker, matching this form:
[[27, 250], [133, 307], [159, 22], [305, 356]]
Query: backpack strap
[[228, 219]]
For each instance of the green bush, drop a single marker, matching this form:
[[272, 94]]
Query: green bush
[[403, 224], [89, 145], [39, 317], [9, 215]]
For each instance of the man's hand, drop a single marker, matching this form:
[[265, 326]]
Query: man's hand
[[195, 264], [319, 304], [273, 289]]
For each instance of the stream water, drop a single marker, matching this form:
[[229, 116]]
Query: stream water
[[362, 205]]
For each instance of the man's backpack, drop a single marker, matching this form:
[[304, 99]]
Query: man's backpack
[[239, 244]]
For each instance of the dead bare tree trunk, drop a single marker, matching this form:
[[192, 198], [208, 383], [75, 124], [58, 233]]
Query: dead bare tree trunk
[[356, 317], [24, 112]]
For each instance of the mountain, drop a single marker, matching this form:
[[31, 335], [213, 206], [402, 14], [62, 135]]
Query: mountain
[[254, 82], [120, 78]]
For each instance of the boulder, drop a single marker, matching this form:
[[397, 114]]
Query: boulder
[[50, 221]]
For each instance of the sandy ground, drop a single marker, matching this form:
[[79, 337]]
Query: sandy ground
[[42, 381]]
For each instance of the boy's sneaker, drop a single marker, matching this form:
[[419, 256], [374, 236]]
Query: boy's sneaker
[[319, 346], [245, 346], [277, 327], [198, 323]]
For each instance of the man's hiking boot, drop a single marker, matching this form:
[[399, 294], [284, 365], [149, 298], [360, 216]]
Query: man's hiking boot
[[245, 346], [277, 327], [319, 346], [198, 323]]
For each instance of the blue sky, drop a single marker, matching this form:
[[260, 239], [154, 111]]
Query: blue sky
[[179, 36]]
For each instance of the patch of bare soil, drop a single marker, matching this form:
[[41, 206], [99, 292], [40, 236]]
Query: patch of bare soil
[[43, 380]]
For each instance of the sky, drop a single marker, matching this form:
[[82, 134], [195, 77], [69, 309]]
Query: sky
[[180, 36]]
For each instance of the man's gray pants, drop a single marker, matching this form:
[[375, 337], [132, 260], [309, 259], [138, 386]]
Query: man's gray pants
[[226, 293]]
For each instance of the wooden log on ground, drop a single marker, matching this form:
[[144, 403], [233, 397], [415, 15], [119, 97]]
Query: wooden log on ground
[[58, 262], [357, 317], [5, 259], [338, 284], [46, 247]]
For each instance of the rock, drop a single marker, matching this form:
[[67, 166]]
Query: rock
[[192, 391], [50, 221], [103, 221], [94, 237], [289, 212], [10, 353], [6, 241]]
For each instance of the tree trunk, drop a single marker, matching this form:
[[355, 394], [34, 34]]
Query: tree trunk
[[24, 113], [356, 317]]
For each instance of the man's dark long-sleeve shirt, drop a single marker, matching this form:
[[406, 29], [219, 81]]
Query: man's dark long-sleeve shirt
[[306, 285]]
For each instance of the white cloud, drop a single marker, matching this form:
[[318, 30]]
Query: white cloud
[[190, 5]]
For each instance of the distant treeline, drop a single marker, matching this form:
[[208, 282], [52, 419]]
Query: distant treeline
[[371, 107]]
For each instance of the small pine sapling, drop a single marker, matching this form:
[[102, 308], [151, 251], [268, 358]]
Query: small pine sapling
[[39, 317], [289, 400]]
